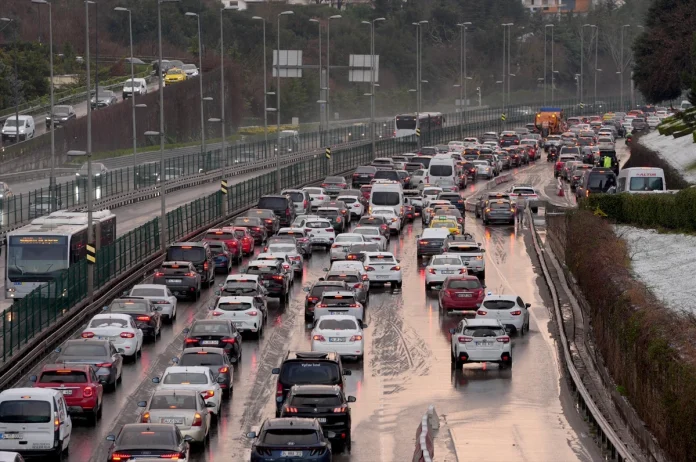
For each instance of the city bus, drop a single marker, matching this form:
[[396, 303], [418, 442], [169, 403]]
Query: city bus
[[43, 250], [405, 124]]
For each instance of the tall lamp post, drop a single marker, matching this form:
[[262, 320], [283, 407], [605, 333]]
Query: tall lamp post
[[321, 124], [419, 59], [506, 72], [265, 90], [200, 78], [582, 58], [279, 184], [621, 64], [372, 79], [222, 100], [546, 26], [328, 72], [462, 73]]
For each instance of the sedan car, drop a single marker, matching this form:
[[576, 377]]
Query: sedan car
[[82, 390], [288, 438], [333, 185], [441, 267], [190, 70], [256, 226], [223, 256], [340, 333], [140, 440], [184, 408], [481, 341], [180, 278], [317, 197], [293, 254], [246, 313], [297, 236], [196, 378], [100, 354], [120, 329], [270, 219], [243, 285], [160, 296], [214, 359], [383, 267], [394, 221], [245, 238], [370, 234], [315, 292], [340, 247], [219, 333], [61, 115], [143, 311], [104, 99], [174, 75], [354, 204], [483, 169]]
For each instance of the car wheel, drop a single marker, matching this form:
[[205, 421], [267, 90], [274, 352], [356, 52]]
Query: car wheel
[[482, 275], [455, 362], [398, 285], [259, 332]]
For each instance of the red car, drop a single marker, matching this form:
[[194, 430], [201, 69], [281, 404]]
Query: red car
[[366, 191], [244, 236], [80, 387], [461, 293], [227, 236]]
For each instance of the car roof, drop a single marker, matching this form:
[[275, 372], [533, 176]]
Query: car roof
[[171, 391], [434, 232], [489, 296], [352, 272], [189, 244], [291, 422], [263, 263], [238, 277], [483, 322], [186, 369], [29, 393], [377, 254], [93, 341], [121, 316], [149, 286], [342, 293], [58, 367], [233, 299]]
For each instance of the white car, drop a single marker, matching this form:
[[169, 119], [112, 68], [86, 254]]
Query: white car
[[430, 193], [456, 144], [295, 257], [120, 329], [471, 141], [653, 122], [343, 265], [246, 313], [480, 341], [483, 169], [526, 192], [343, 302], [510, 310], [383, 267], [321, 232], [441, 267], [339, 249], [471, 254], [198, 378], [357, 209], [184, 408], [160, 296], [340, 333], [300, 221], [372, 233], [390, 214], [418, 177], [317, 196]]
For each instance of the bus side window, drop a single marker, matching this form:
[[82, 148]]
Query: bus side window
[[77, 246], [108, 231]]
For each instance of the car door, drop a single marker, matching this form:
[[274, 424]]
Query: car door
[[261, 306], [117, 359], [523, 307], [100, 388], [138, 333], [66, 422], [203, 410]]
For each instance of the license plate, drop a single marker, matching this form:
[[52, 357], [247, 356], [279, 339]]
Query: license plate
[[322, 419], [382, 277], [173, 420], [174, 281], [336, 312], [290, 453], [12, 436], [447, 272], [464, 295], [484, 343], [209, 342], [337, 339], [267, 283], [238, 324], [67, 392]]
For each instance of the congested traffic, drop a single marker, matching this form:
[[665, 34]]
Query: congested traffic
[[240, 281]]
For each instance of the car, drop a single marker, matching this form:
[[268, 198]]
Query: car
[[62, 115], [315, 292], [568, 167], [341, 266], [120, 329], [275, 211], [290, 250], [290, 439], [190, 70], [393, 220], [355, 207], [243, 285], [255, 225], [139, 441], [639, 124], [482, 201], [174, 75], [300, 199], [219, 333], [441, 267], [160, 296], [104, 98], [461, 293], [484, 169], [180, 277], [300, 220], [451, 212], [482, 341], [378, 221], [196, 378], [355, 281], [326, 403], [471, 254], [223, 256], [317, 197], [653, 122], [333, 214], [297, 236], [333, 185], [285, 263], [431, 242], [430, 193], [273, 277], [449, 223], [596, 181], [383, 267], [523, 191], [363, 175], [321, 232], [246, 240], [81, 389], [342, 208], [99, 172], [143, 311], [369, 233], [213, 358], [99, 354], [343, 302], [342, 243], [184, 408], [198, 253], [576, 175], [510, 310], [383, 163], [499, 210], [340, 333], [246, 313], [307, 368]]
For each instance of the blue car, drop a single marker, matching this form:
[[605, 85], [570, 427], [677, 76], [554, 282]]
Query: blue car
[[290, 438], [222, 256]]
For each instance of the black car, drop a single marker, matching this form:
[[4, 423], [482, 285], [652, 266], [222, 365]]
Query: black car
[[357, 251], [148, 440], [270, 219], [147, 174], [290, 439], [596, 181], [197, 253], [333, 214], [363, 175], [470, 170], [61, 115], [100, 354], [454, 198], [273, 278], [180, 277], [315, 292], [143, 312], [255, 225], [307, 368], [328, 405], [216, 359], [282, 207], [218, 333]]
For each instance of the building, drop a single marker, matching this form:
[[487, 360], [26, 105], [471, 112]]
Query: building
[[559, 6]]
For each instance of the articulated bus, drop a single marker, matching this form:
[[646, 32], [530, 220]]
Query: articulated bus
[[43, 250], [406, 123]]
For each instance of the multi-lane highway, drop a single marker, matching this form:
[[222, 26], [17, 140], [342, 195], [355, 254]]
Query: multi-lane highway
[[521, 414]]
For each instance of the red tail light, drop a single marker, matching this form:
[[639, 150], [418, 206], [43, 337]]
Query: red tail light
[[189, 341], [422, 242], [482, 312], [465, 339], [278, 278], [87, 335], [197, 420], [87, 392], [145, 418], [342, 185], [127, 335], [319, 338], [217, 313], [358, 286], [516, 313], [324, 185], [143, 318], [338, 219], [395, 268], [118, 456], [328, 229], [191, 275], [292, 410], [253, 313], [340, 409], [364, 277], [504, 339], [205, 266], [287, 213], [279, 389], [224, 370], [107, 365], [353, 305], [313, 299], [355, 338], [159, 274], [207, 394], [432, 271], [463, 271], [369, 268], [229, 341], [304, 204]]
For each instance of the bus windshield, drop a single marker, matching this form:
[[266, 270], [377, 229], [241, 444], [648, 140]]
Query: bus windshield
[[36, 258], [406, 122]]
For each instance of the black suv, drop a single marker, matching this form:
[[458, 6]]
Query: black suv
[[290, 439], [143, 312], [197, 253], [217, 333], [282, 206], [315, 292], [328, 405], [307, 368], [147, 174], [273, 278]]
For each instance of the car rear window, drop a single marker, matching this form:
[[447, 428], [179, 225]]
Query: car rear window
[[128, 307], [389, 198], [337, 324], [348, 200], [210, 328], [147, 292], [185, 378], [277, 248], [386, 175], [168, 270], [85, 350], [247, 221], [262, 269], [430, 240], [328, 213], [445, 261], [338, 300], [238, 285], [296, 196], [310, 372], [463, 284], [65, 376], [372, 221], [317, 224], [365, 169], [464, 248], [107, 322], [174, 401], [601, 180], [348, 278], [25, 411], [317, 400], [219, 236], [184, 253], [273, 203], [296, 437], [201, 358], [483, 332], [498, 304], [499, 205], [146, 439], [441, 170], [233, 306]]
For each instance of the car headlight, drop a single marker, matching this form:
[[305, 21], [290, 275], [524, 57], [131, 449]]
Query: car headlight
[[98, 174], [63, 118], [77, 174]]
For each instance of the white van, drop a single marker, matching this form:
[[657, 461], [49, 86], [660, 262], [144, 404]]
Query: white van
[[34, 421], [685, 105], [26, 131], [387, 195], [442, 168], [134, 86], [641, 180]]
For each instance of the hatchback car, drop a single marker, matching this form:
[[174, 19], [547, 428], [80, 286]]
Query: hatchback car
[[139, 441], [120, 329], [461, 293], [383, 267], [481, 341], [499, 211], [180, 277], [229, 238], [99, 354], [363, 175], [274, 218], [219, 333], [333, 185], [510, 310], [340, 333], [290, 439], [213, 358], [197, 378], [82, 390], [246, 313], [340, 247], [199, 254], [296, 236], [184, 408], [441, 267], [273, 278], [243, 285], [314, 294]]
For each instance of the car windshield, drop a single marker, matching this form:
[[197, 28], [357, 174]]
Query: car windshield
[[147, 292], [306, 372], [337, 324], [146, 439], [282, 248], [498, 304], [481, 331], [290, 437], [646, 184], [173, 401], [63, 376], [61, 110], [25, 411], [210, 328], [185, 378], [201, 358], [128, 307], [85, 350], [317, 224]]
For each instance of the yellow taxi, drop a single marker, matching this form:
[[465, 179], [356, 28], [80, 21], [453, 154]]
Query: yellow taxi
[[447, 222], [174, 75], [609, 116]]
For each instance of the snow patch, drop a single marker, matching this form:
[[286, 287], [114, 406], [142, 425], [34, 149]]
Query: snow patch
[[680, 152], [665, 263]]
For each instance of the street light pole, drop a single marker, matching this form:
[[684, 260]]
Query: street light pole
[[132, 66], [553, 71], [265, 113], [328, 72], [419, 64], [372, 80], [462, 74], [546, 26], [279, 184], [504, 73], [596, 51], [321, 124], [621, 65], [508, 63], [222, 99], [200, 79], [582, 59]]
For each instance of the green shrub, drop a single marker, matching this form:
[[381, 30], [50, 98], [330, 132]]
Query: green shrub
[[671, 128], [668, 120], [686, 131], [694, 133]]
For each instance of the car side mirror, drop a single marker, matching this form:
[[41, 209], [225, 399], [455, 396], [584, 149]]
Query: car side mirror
[[324, 269], [33, 378], [528, 305], [188, 438], [331, 434], [347, 372], [210, 404], [451, 331], [251, 435], [155, 380], [58, 350], [305, 289], [175, 360], [275, 371], [351, 399], [111, 438], [363, 325], [142, 403]]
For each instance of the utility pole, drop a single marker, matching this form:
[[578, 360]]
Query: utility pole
[[621, 65], [96, 58], [596, 51]]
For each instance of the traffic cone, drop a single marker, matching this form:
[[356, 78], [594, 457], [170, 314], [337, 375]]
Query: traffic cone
[[561, 192]]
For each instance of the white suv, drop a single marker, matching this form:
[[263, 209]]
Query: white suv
[[393, 219], [510, 310], [441, 267], [383, 267], [480, 341], [320, 231], [246, 313]]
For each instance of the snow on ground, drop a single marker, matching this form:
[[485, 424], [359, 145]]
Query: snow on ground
[[680, 152], [665, 263]]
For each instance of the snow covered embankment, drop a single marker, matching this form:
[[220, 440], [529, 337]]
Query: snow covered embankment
[[680, 152]]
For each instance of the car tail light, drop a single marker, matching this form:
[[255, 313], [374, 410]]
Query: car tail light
[[395, 268], [338, 219], [107, 365], [87, 392], [323, 185], [286, 266], [358, 286], [312, 299], [118, 456], [256, 228], [292, 410], [205, 266], [482, 312], [355, 338], [319, 338], [159, 274], [253, 313], [189, 341], [265, 249], [516, 313], [143, 318], [127, 335], [145, 418], [340, 409], [322, 305], [383, 227], [191, 275], [504, 339], [423, 242], [353, 305], [308, 230], [278, 278], [197, 420], [304, 204], [369, 268], [364, 277], [464, 339], [216, 313], [432, 271], [229, 341], [328, 229], [335, 246], [207, 394], [87, 335]]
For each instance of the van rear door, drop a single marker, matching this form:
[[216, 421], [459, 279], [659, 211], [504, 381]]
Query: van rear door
[[26, 424]]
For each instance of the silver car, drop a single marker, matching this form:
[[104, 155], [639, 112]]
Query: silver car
[[340, 247], [295, 257], [354, 281], [184, 408], [339, 302]]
